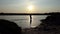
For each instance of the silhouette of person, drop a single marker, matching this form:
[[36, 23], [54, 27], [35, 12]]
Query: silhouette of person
[[8, 27], [30, 19]]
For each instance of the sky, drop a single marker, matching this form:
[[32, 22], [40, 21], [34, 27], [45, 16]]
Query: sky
[[20, 6]]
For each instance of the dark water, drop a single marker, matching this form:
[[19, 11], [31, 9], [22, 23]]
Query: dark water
[[24, 21]]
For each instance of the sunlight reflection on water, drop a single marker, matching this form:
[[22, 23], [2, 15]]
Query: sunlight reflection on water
[[24, 21]]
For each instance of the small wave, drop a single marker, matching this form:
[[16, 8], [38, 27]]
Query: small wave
[[17, 19]]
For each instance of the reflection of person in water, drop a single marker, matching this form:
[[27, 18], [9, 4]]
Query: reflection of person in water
[[8, 27], [50, 25], [30, 19]]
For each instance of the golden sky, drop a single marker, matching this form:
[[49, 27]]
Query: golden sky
[[29, 6]]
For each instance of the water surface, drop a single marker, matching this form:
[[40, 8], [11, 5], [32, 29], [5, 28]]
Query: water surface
[[24, 20]]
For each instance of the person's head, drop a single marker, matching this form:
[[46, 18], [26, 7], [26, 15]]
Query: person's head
[[8, 27]]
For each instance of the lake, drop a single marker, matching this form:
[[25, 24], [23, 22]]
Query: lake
[[24, 20]]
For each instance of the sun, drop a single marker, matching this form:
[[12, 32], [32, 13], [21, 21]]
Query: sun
[[30, 7]]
